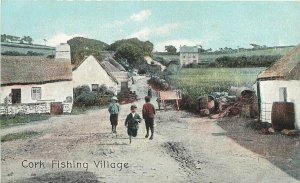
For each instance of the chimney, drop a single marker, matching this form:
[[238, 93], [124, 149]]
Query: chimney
[[63, 51]]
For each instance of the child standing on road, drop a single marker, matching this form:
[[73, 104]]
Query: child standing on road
[[132, 122], [148, 115], [114, 110]]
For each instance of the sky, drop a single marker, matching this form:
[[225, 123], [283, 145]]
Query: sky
[[210, 24]]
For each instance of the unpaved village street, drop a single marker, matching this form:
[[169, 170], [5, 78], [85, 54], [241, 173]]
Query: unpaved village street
[[185, 148]]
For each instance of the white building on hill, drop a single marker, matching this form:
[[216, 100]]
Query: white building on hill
[[188, 55]]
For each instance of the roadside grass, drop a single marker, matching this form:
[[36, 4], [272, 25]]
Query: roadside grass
[[202, 81], [83, 109], [9, 121], [20, 135]]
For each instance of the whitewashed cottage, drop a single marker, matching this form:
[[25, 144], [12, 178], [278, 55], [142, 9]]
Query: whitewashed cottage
[[280, 83], [33, 84], [90, 72]]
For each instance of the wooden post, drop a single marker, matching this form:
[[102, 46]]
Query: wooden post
[[164, 105]]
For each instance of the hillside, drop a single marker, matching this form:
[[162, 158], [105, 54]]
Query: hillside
[[82, 47]]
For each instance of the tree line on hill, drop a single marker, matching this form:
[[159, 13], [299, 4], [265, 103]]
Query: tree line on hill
[[128, 52], [15, 39]]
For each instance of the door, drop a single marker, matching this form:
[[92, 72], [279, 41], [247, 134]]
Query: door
[[282, 94], [16, 96], [124, 86], [56, 108]]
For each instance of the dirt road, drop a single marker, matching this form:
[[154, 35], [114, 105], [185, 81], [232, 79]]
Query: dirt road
[[185, 148]]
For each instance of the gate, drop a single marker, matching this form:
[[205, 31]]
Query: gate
[[56, 108]]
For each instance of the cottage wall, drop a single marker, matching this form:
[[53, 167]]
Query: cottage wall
[[90, 72], [121, 77], [50, 92], [269, 93]]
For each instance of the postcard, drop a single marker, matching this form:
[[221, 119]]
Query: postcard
[[150, 91]]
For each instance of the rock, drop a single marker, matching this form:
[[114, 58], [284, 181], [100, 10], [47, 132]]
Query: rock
[[290, 132], [204, 112], [271, 130]]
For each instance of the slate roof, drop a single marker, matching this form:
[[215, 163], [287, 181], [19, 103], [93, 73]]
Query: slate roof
[[188, 49]]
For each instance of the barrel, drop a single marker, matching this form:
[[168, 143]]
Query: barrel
[[283, 115]]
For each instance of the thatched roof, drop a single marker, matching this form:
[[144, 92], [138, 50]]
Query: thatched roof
[[287, 68], [109, 67], [152, 62], [105, 56], [109, 56], [33, 69]]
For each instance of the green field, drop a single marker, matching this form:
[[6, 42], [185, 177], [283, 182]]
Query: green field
[[201, 81], [211, 57], [271, 51]]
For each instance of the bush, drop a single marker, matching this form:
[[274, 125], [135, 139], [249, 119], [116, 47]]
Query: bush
[[85, 99], [103, 90], [247, 61], [83, 96]]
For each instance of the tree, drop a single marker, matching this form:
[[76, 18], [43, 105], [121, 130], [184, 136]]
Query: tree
[[133, 50], [129, 52], [27, 39], [171, 49]]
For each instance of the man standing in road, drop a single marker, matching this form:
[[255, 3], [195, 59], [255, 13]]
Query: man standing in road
[[148, 115], [114, 110]]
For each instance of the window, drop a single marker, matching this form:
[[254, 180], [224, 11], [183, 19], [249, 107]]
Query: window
[[183, 56], [282, 94], [194, 56], [95, 87], [36, 93]]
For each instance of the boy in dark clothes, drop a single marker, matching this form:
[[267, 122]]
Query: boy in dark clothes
[[132, 122], [148, 115]]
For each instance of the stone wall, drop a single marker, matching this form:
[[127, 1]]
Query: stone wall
[[31, 108]]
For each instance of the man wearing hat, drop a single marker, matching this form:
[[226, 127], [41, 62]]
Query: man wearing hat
[[114, 110], [148, 115], [132, 122]]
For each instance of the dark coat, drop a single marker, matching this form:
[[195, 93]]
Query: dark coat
[[133, 122]]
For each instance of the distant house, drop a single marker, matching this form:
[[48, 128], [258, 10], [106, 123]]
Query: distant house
[[33, 84], [280, 83], [90, 72], [152, 62], [188, 55]]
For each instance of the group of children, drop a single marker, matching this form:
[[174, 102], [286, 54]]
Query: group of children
[[133, 119]]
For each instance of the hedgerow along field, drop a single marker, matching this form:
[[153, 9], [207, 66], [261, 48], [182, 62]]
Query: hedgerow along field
[[210, 57], [198, 82]]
